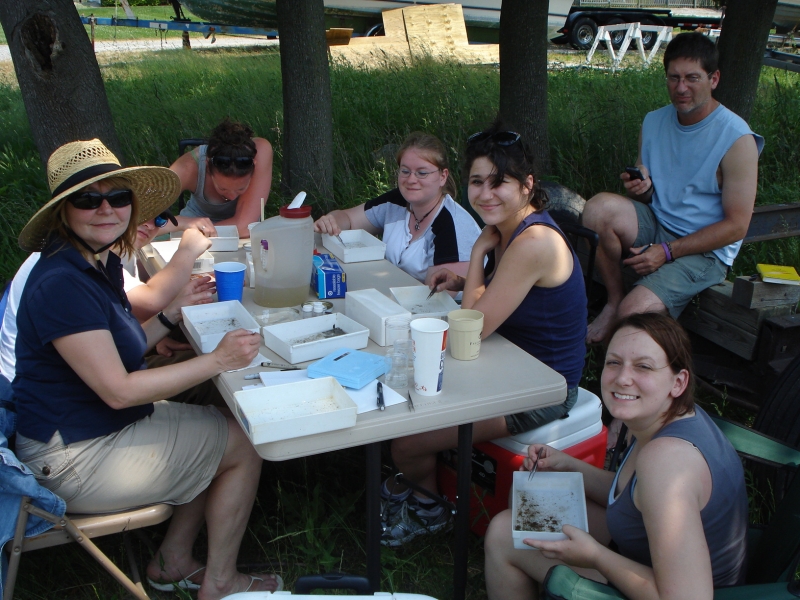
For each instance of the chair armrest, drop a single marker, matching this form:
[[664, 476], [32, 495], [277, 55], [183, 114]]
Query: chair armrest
[[752, 443], [562, 583]]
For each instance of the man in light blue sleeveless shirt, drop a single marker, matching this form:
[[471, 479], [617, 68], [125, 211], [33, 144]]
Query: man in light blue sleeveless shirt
[[683, 222]]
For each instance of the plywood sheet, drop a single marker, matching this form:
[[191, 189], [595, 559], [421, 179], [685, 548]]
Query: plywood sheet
[[435, 30]]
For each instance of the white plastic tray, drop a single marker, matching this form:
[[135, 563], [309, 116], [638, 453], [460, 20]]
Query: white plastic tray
[[166, 250], [294, 410], [557, 495], [206, 324], [226, 240], [372, 308], [359, 246], [283, 339], [415, 300]]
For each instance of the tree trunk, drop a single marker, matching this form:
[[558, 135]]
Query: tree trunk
[[307, 111], [741, 49], [523, 74], [58, 74]]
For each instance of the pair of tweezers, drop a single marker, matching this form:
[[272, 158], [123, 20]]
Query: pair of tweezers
[[410, 402]]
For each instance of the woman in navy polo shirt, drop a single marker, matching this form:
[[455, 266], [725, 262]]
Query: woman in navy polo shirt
[[92, 425]]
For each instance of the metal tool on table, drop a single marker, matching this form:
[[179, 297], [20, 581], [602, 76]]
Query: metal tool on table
[[273, 365], [381, 403], [536, 463], [410, 403]]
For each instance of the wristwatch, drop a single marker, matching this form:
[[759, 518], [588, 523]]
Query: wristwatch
[[165, 321]]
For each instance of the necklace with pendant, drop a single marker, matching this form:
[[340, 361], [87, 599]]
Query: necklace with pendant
[[418, 221]]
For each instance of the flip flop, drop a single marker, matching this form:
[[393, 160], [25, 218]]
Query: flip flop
[[278, 580], [169, 586]]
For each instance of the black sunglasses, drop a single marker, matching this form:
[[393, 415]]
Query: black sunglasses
[[501, 138], [224, 162], [164, 218], [93, 200]]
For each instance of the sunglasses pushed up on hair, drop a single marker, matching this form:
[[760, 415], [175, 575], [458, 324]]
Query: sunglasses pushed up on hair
[[501, 138], [93, 200], [240, 162]]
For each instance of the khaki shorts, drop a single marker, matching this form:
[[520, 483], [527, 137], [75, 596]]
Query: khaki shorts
[[170, 456], [675, 283]]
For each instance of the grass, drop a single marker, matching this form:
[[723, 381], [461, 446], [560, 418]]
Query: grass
[[309, 516]]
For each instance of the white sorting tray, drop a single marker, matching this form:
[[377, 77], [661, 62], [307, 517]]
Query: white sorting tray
[[415, 300], [206, 323], [166, 250], [283, 338], [226, 240], [558, 499], [359, 246], [372, 308], [294, 410]]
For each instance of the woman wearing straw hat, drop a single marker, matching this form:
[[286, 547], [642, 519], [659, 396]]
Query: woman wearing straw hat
[[91, 424]]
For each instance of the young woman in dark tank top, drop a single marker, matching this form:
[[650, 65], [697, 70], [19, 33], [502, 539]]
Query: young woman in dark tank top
[[676, 509]]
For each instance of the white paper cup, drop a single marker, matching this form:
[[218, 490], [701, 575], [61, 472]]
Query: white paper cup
[[430, 340], [465, 333]]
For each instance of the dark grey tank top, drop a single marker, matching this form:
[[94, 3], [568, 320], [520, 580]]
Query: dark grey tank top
[[724, 517], [198, 205]]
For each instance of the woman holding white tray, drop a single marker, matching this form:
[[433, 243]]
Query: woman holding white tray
[[424, 229], [677, 507], [526, 280], [91, 425]]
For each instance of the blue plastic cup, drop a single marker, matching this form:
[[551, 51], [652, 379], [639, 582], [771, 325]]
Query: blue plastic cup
[[230, 280]]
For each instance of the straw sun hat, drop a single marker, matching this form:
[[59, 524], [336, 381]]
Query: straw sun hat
[[75, 165]]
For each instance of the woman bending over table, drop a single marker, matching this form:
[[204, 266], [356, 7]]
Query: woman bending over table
[[424, 229], [530, 291], [677, 507], [228, 178], [90, 421]]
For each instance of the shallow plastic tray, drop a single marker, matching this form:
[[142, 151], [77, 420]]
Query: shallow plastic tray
[[205, 322], [415, 300], [283, 338], [558, 495], [359, 246], [226, 240], [294, 410], [166, 250], [372, 308]]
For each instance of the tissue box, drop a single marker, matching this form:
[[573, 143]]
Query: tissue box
[[327, 278], [286, 339], [541, 506], [371, 308], [359, 246], [415, 300], [226, 240], [292, 410], [207, 324]]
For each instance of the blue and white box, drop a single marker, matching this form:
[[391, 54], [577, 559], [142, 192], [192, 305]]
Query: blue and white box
[[327, 278]]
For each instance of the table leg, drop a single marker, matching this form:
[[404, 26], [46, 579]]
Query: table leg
[[373, 493], [461, 552]]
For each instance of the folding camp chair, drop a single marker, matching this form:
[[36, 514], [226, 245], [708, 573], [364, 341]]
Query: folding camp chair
[[773, 551]]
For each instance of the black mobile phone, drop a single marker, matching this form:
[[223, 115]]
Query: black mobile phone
[[634, 172]]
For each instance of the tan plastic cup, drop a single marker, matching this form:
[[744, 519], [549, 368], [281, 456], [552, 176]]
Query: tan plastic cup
[[465, 333]]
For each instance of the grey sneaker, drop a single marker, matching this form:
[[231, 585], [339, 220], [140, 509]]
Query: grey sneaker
[[390, 509], [413, 520]]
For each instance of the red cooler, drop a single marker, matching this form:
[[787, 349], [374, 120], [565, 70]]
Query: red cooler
[[580, 434]]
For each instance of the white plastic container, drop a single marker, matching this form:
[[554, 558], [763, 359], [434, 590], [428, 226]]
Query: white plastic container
[[284, 338], [226, 240], [371, 308], [283, 250], [551, 500], [414, 299], [359, 246], [207, 324], [167, 249], [294, 410]]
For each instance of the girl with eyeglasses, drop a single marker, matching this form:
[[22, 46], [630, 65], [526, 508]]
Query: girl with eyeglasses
[[424, 229], [92, 424], [526, 280], [227, 179]]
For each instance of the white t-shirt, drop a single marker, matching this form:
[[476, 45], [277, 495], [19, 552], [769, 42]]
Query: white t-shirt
[[448, 239], [8, 335]]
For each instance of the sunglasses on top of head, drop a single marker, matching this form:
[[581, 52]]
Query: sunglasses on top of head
[[240, 162], [93, 200], [164, 218], [501, 138]]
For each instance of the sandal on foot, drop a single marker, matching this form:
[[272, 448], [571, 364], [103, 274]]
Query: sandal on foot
[[278, 581], [169, 586]]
